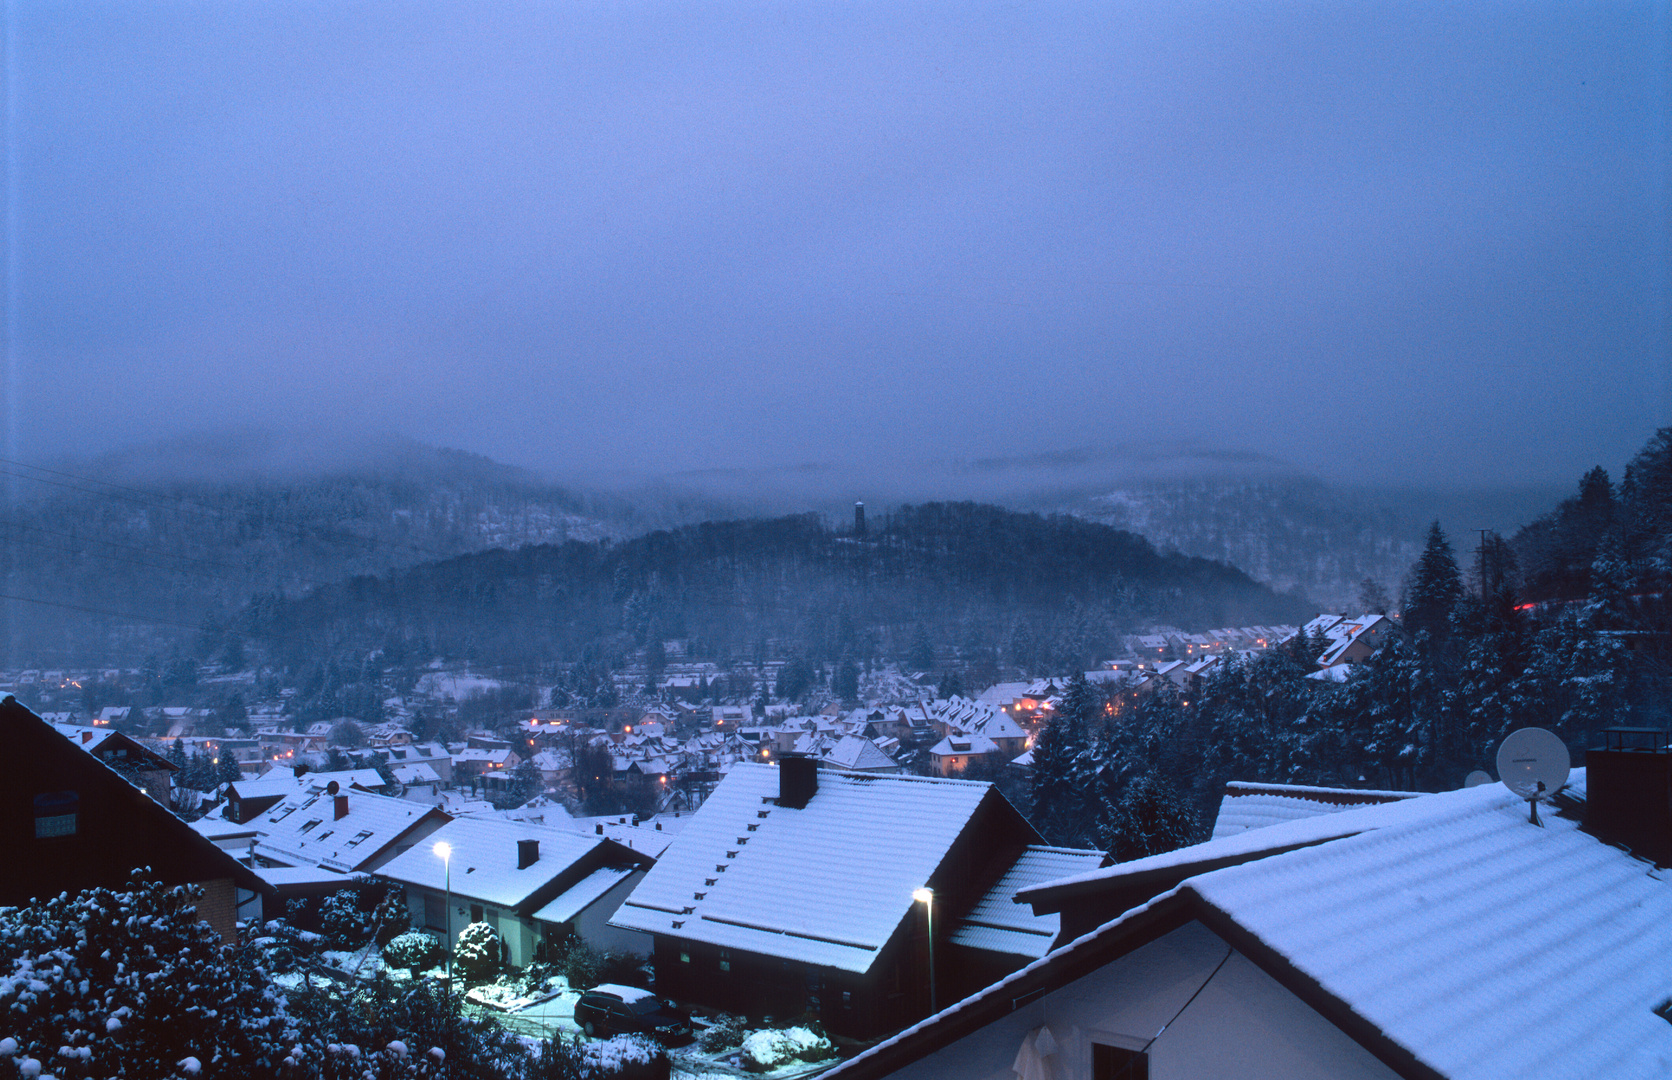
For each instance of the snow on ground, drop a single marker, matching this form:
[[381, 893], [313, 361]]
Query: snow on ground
[[457, 685]]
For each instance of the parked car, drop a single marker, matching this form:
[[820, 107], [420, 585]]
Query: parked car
[[608, 1009]]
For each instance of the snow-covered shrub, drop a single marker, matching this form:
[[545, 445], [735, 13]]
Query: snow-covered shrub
[[725, 1033], [626, 1056], [768, 1049], [534, 976], [414, 949], [128, 981], [343, 921], [560, 1059], [477, 955], [390, 916]]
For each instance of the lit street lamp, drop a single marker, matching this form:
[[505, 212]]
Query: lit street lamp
[[926, 897], [445, 850]]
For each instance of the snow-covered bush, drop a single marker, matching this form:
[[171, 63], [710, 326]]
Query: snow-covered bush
[[626, 1056], [414, 949], [477, 955], [768, 1049], [725, 1033], [345, 924], [129, 981]]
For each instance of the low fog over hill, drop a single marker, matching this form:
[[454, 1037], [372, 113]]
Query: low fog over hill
[[178, 530]]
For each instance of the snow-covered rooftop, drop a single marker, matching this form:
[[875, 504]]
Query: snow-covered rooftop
[[484, 859], [855, 752], [304, 830], [582, 894], [826, 884], [1484, 944], [1247, 806], [1481, 944], [998, 924]]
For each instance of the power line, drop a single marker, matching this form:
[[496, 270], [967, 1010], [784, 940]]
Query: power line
[[95, 611], [142, 497]]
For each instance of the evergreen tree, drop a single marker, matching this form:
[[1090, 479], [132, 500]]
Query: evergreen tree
[[845, 683], [1148, 818], [922, 654], [1433, 589], [1061, 810]]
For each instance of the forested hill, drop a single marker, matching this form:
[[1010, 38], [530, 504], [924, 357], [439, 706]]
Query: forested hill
[[111, 557], [981, 581]]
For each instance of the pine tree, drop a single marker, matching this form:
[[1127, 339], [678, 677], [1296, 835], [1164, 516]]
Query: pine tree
[[1148, 818], [1433, 589], [922, 654], [1061, 811]]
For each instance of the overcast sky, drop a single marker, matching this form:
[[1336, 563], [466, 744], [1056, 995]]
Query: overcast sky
[[1392, 241]]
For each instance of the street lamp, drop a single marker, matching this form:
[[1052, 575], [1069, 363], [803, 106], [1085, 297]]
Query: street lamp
[[445, 850], [926, 897]]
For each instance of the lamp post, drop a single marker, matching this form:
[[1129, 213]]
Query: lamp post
[[445, 850], [926, 897]]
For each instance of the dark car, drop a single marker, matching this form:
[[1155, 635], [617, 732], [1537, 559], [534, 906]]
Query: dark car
[[609, 1009]]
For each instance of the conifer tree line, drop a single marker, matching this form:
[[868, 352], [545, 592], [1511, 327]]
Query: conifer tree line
[[1566, 626]]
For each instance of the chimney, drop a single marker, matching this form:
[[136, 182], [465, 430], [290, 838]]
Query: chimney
[[859, 519], [798, 780], [341, 807], [1628, 791], [599, 828], [86, 736], [528, 853]]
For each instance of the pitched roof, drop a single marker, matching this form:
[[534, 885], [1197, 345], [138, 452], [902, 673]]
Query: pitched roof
[[582, 894], [138, 829], [998, 924], [1247, 806], [856, 752], [485, 856], [304, 829], [964, 743], [826, 884], [1484, 944], [1448, 934]]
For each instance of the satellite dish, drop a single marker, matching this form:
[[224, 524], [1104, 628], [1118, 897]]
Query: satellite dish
[[1533, 763], [333, 787], [1476, 779]]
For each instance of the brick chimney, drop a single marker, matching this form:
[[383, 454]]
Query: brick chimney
[[528, 853], [341, 804], [1628, 791], [798, 780]]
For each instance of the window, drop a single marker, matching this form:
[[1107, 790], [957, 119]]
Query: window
[[1118, 1063], [56, 813], [435, 913], [475, 912], [725, 960], [308, 825], [359, 837]]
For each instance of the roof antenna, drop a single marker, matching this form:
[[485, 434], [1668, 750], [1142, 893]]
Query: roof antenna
[[1533, 763]]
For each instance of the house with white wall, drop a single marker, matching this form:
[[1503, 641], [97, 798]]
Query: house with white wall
[[1446, 937]]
